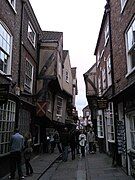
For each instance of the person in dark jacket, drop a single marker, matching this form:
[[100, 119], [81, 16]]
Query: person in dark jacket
[[27, 154], [57, 140], [65, 143], [16, 146], [73, 143]]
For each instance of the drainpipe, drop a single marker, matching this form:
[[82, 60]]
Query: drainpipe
[[115, 148], [19, 64], [20, 44]]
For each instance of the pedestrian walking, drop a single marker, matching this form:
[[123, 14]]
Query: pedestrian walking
[[77, 140], [16, 147], [27, 154], [91, 140], [82, 142], [52, 142], [65, 143], [57, 140], [73, 143]]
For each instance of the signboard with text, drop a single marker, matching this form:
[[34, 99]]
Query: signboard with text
[[101, 103]]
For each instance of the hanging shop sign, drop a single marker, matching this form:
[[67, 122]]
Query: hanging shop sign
[[4, 91], [102, 103], [41, 108]]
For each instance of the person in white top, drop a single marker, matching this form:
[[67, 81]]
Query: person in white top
[[82, 142]]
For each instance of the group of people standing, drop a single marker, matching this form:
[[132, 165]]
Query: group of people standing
[[75, 139], [19, 144]]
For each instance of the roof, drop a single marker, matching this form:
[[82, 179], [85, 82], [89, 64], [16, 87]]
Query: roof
[[52, 35]]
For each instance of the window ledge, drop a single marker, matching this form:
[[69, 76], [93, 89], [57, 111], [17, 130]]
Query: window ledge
[[111, 141], [129, 73], [6, 75]]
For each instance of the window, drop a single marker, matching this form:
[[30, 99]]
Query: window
[[130, 38], [13, 3], [100, 127], [59, 106], [7, 122], [110, 122], [106, 32], [28, 76], [31, 34], [99, 86], [123, 2], [104, 78], [5, 50], [132, 131], [67, 76], [109, 76]]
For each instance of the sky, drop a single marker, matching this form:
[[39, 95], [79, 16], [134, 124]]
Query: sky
[[80, 22]]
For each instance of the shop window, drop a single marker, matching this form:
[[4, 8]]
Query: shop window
[[130, 39], [132, 131], [28, 76], [24, 121], [100, 127], [5, 50], [109, 115], [7, 122]]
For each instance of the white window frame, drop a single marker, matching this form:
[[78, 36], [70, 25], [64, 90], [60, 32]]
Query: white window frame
[[28, 87], [67, 76], [100, 124], [132, 131], [130, 45], [12, 3], [5, 49], [106, 33], [109, 115], [109, 72], [7, 123], [99, 86], [59, 106], [104, 78], [32, 38], [123, 3]]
